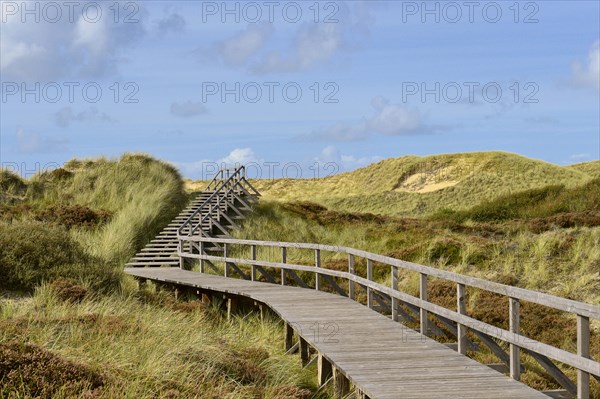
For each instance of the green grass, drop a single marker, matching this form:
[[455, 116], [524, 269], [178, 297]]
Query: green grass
[[493, 215], [141, 345], [591, 168], [560, 261], [416, 186], [553, 259], [135, 194], [542, 202], [95, 335]]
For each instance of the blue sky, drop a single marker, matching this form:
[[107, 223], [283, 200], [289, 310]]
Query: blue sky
[[377, 80]]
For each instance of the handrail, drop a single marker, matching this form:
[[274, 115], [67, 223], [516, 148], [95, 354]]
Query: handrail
[[216, 191], [581, 361], [540, 298], [208, 215]]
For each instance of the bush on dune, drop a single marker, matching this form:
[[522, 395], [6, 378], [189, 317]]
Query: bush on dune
[[33, 252], [554, 203], [31, 371]]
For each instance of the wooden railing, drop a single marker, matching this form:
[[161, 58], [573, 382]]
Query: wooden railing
[[227, 186], [457, 321]]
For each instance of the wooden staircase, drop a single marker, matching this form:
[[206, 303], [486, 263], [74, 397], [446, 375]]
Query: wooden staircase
[[212, 213]]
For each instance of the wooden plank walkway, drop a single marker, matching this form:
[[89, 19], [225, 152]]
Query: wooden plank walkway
[[382, 358]]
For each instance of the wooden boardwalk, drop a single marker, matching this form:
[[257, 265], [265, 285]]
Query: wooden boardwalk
[[380, 357]]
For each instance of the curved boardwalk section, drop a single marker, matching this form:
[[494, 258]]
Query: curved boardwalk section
[[380, 357]]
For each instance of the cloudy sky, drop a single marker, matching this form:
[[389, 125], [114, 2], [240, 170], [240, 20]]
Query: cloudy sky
[[332, 84]]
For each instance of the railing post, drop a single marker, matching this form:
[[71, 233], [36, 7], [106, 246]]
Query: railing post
[[370, 278], [317, 265], [514, 327], [351, 293], [225, 254], [201, 253], [423, 296], [583, 350], [461, 305], [283, 260], [180, 250], [253, 267], [395, 288]]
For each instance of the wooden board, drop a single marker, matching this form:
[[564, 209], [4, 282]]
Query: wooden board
[[382, 358]]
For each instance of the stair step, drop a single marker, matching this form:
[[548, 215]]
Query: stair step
[[143, 264]]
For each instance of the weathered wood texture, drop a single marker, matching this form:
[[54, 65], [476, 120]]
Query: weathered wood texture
[[381, 358], [580, 361], [213, 211]]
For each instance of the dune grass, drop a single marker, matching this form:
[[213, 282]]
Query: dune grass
[[560, 261], [416, 186], [536, 254], [141, 345], [591, 168], [94, 334], [493, 215]]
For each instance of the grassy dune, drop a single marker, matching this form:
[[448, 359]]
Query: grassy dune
[[531, 253], [591, 168], [545, 239], [71, 325], [140, 345], [416, 186]]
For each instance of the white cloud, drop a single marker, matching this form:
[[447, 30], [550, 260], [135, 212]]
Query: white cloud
[[331, 155], [206, 168], [588, 74], [239, 156], [581, 157], [65, 116], [65, 50], [241, 47], [30, 143], [389, 119], [188, 109], [309, 45], [395, 120], [314, 43]]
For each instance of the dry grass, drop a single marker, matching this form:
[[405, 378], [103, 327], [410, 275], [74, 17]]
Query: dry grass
[[414, 186], [557, 260], [147, 346]]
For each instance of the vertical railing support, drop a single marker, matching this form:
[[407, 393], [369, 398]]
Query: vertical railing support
[[201, 253], [283, 260], [351, 285], [253, 267], [395, 288], [180, 250], [583, 350], [225, 255], [370, 278], [317, 265], [514, 326], [461, 307], [423, 296]]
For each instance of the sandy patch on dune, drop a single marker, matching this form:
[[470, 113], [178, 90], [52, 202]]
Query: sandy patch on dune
[[430, 181]]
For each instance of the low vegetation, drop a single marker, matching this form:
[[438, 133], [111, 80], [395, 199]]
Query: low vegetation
[[71, 325], [66, 343], [416, 186], [545, 239]]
